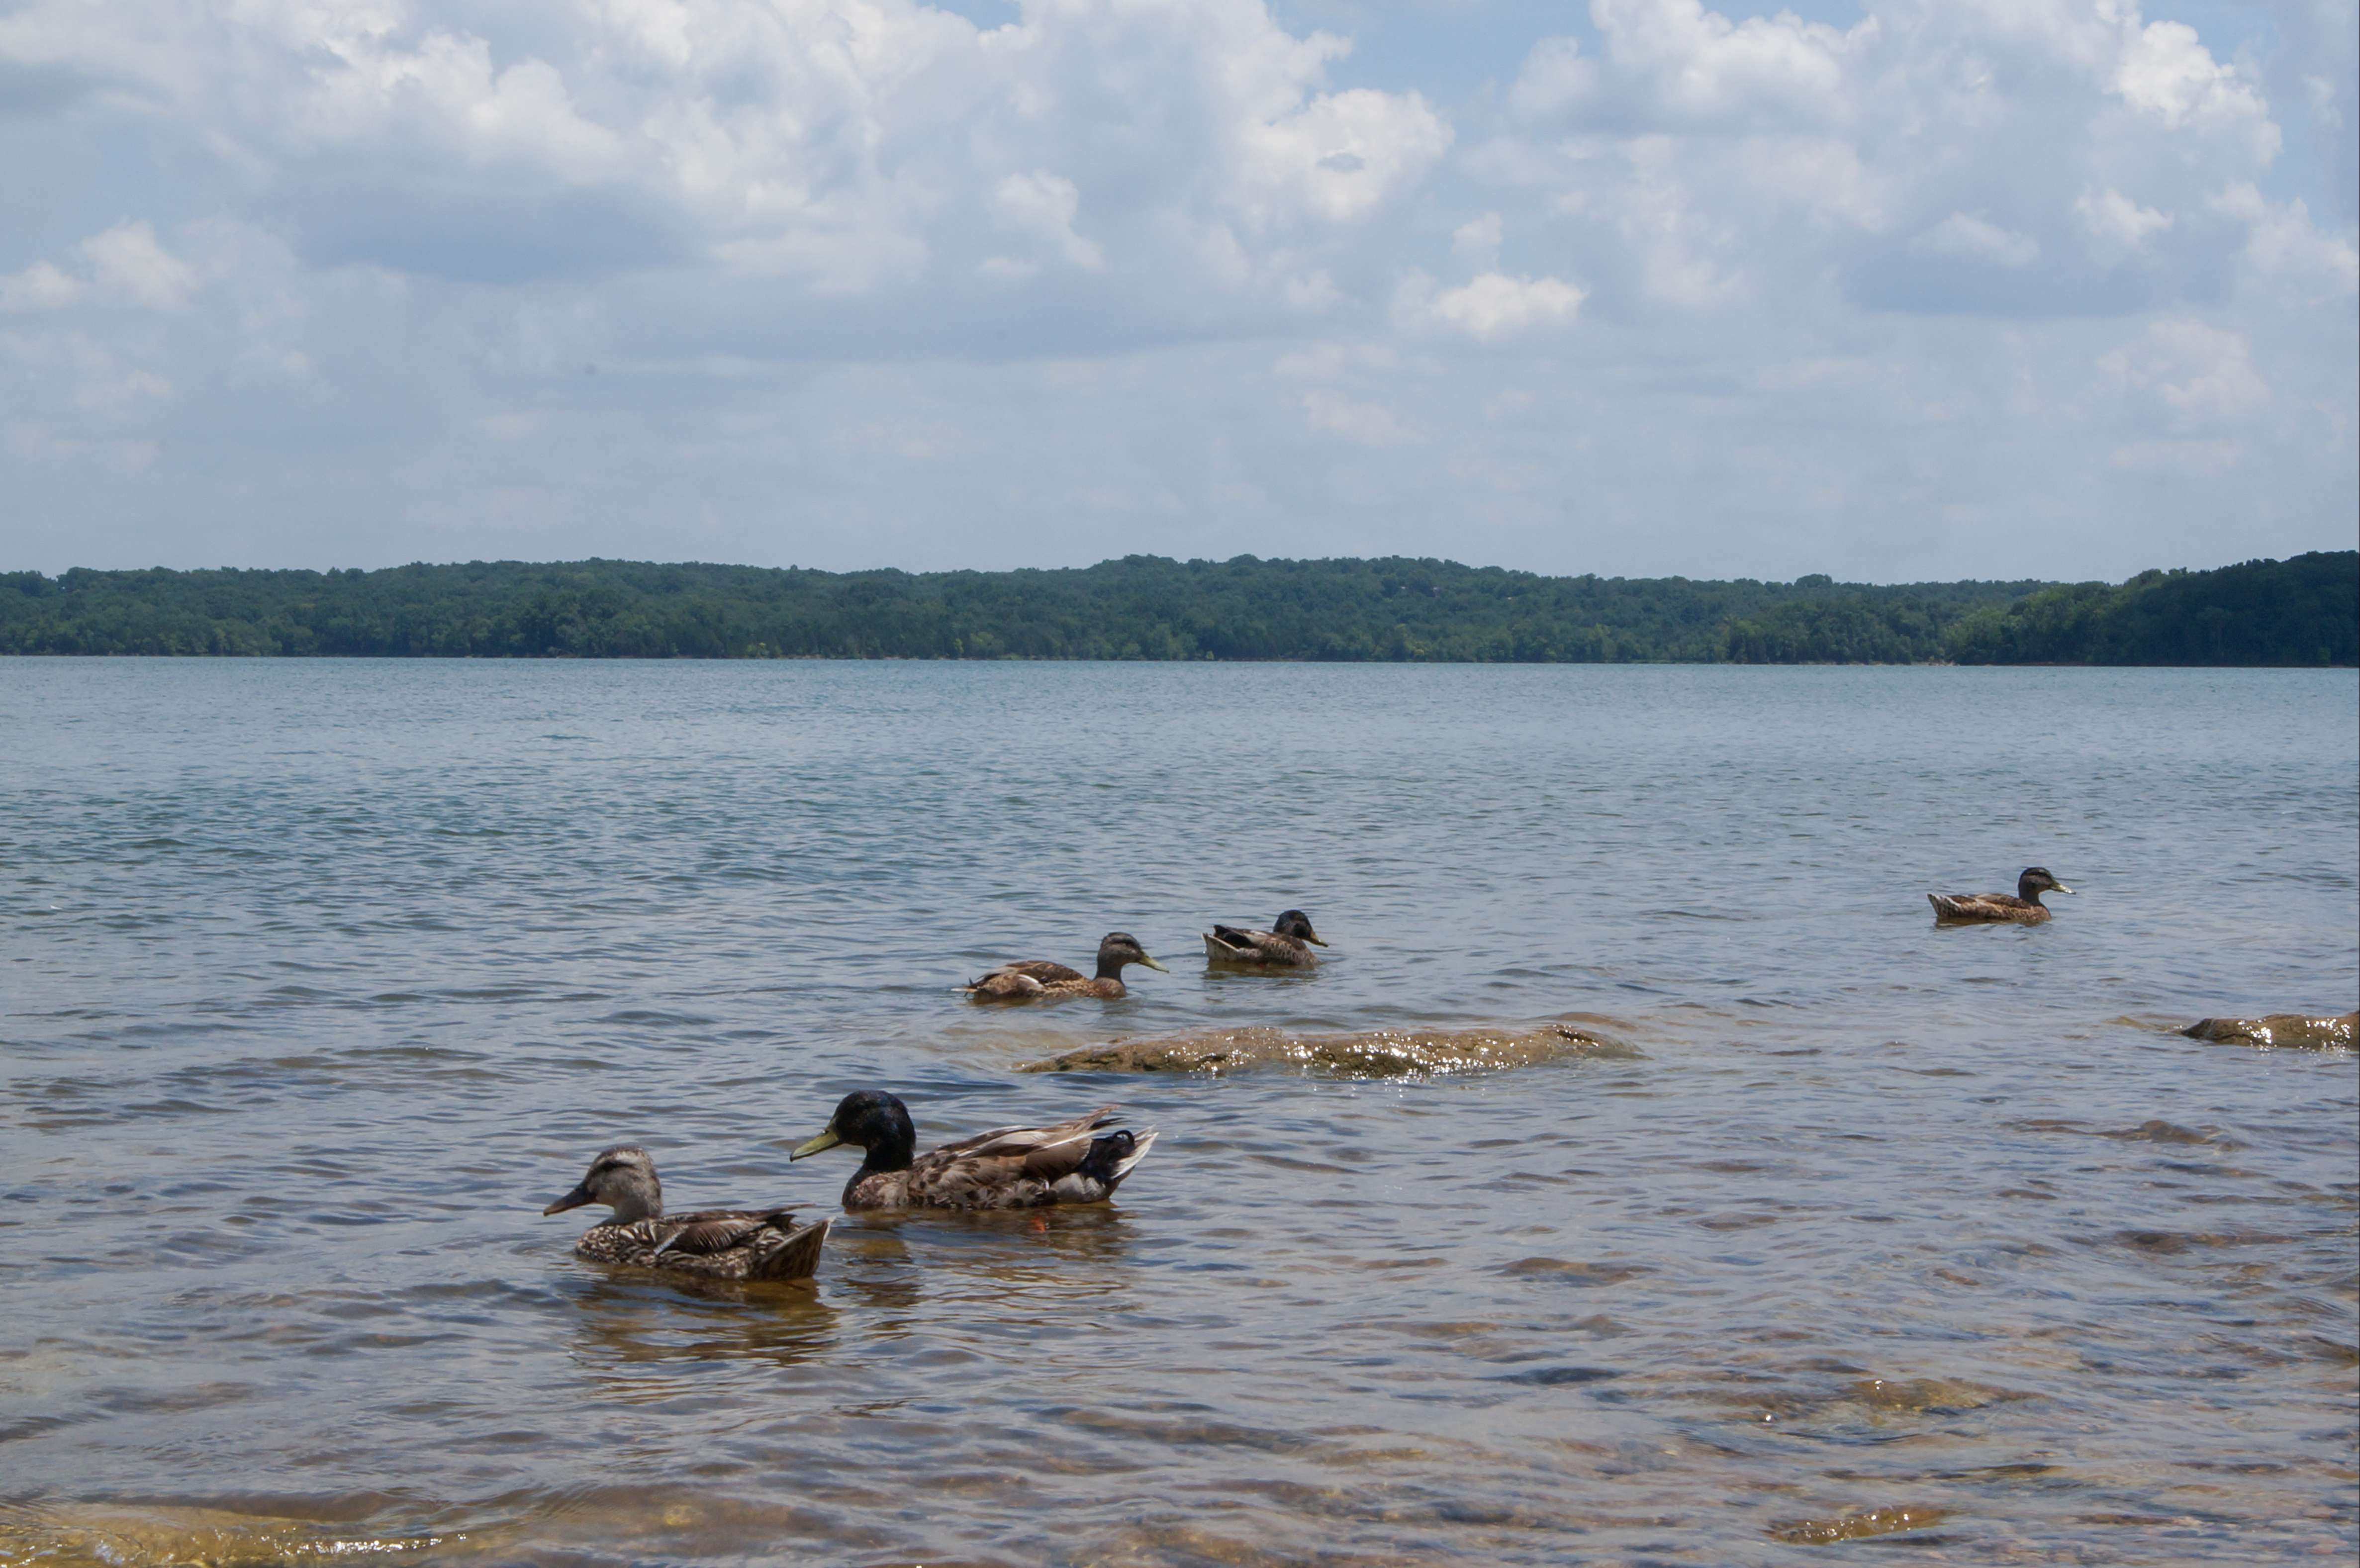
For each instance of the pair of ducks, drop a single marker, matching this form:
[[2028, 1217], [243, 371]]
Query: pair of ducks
[[1011, 1168], [1287, 945]]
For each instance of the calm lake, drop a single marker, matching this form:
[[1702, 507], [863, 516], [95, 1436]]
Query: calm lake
[[318, 979]]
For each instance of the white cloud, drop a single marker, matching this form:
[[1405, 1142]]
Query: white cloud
[[2117, 225], [121, 266], [1330, 413], [1673, 63], [2285, 252], [2198, 457], [127, 264], [1040, 206], [2203, 375], [1496, 306], [1964, 234], [40, 287], [2166, 71], [1476, 243]]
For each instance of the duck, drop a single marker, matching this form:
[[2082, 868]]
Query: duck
[[1033, 978], [1287, 945], [714, 1244], [2025, 909], [1009, 1168]]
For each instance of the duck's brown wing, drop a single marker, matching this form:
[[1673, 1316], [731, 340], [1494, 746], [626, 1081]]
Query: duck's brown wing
[[1041, 969], [1979, 906], [1246, 946], [1006, 1168], [1083, 1169], [709, 1231], [1022, 1141]]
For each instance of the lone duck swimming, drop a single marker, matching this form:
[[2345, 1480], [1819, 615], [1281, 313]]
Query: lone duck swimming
[[1033, 978], [716, 1244], [1287, 945], [1012, 1168], [1986, 909]]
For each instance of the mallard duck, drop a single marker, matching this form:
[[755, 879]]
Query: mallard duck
[[2025, 909], [718, 1244], [1035, 977], [1284, 946], [1012, 1168]]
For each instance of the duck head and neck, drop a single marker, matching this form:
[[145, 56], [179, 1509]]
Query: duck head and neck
[[623, 1178], [2036, 881], [877, 1125], [1297, 924], [1117, 949]]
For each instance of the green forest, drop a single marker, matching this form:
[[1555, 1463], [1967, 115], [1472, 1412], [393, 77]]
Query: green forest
[[2305, 611]]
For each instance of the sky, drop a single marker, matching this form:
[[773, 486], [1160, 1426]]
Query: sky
[[1897, 290]]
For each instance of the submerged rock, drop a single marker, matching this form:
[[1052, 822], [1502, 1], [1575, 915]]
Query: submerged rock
[[1854, 1525], [1373, 1053], [2312, 1030]]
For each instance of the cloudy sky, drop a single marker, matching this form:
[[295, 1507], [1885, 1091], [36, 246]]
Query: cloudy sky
[[1897, 289]]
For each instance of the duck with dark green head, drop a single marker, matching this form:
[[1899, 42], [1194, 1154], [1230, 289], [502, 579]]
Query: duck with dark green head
[[1989, 908], [1033, 979], [1012, 1168]]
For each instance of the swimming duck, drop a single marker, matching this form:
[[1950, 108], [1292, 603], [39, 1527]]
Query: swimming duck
[[2025, 909], [1012, 1168], [1280, 947], [1035, 977], [718, 1244]]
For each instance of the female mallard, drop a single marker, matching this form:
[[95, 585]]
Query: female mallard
[[2025, 909], [1014, 1168], [1032, 977], [718, 1244], [1284, 946]]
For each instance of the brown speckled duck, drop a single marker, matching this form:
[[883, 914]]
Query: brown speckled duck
[[1287, 945], [1012, 1168], [717, 1243], [1033, 978], [1985, 909]]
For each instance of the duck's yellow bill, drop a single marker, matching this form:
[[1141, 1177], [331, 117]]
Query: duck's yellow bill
[[1315, 942], [1153, 964], [2061, 887], [824, 1140]]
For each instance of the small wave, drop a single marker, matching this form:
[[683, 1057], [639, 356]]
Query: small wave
[[1370, 1053], [132, 1535]]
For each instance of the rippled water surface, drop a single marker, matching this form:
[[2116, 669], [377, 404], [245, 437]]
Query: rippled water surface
[[318, 979]]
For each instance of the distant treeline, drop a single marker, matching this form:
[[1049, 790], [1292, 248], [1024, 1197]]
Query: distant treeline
[[2304, 611]]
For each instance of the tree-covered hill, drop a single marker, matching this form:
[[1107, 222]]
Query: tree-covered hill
[[1148, 607], [2302, 611]]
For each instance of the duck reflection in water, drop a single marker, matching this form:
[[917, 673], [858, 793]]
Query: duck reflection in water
[[1000, 1261], [627, 1323]]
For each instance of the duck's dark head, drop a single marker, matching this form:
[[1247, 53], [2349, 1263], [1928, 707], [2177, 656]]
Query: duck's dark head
[[623, 1178], [871, 1120], [2036, 881], [1119, 948], [1297, 924]]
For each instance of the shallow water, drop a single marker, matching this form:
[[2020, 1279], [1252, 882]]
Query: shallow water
[[318, 979]]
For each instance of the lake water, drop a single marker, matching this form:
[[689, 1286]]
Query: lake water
[[317, 979]]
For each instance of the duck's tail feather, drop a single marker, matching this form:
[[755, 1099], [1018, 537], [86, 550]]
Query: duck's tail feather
[[797, 1256], [1112, 1158]]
